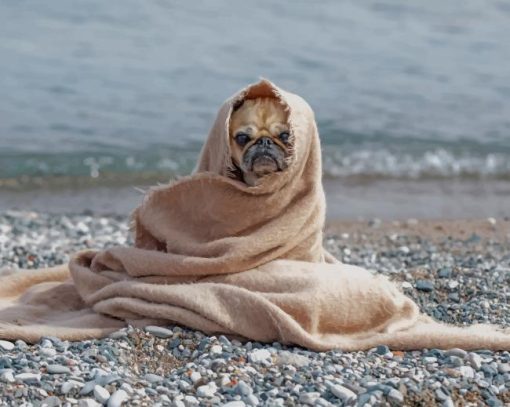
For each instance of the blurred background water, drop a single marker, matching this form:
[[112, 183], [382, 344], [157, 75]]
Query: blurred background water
[[125, 91]]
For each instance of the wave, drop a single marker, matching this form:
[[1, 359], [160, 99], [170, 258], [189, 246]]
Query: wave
[[127, 169]]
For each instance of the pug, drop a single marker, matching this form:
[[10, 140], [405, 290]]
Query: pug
[[259, 138]]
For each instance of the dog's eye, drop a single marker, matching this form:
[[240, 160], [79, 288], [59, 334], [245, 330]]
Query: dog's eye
[[284, 137], [242, 139]]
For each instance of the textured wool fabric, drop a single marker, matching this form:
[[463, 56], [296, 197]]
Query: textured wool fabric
[[214, 254]]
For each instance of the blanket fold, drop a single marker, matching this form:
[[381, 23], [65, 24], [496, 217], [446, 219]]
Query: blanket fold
[[214, 254]]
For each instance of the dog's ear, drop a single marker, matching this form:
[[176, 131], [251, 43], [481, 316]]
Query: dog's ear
[[237, 105]]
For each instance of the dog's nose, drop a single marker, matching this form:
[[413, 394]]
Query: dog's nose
[[265, 142]]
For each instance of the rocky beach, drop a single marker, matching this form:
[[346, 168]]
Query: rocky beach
[[457, 271]]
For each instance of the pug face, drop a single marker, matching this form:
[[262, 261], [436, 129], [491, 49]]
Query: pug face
[[259, 138]]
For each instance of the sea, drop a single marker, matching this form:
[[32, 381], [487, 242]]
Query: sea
[[412, 99]]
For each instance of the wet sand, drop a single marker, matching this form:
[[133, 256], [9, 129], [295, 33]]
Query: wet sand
[[354, 199]]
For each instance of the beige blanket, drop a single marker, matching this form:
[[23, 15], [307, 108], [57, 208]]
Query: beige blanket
[[216, 255]]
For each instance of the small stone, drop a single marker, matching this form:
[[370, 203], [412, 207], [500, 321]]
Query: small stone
[[216, 350], [117, 398], [190, 401], [445, 272], [382, 350], [343, 393], [52, 401], [88, 403], [259, 356], [467, 371], [475, 360], [101, 394], [396, 396], [207, 390], [70, 385], [195, 377], [127, 388], [460, 353], [159, 331], [309, 398], [243, 388], [407, 285], [237, 403], [289, 358], [7, 377], [448, 403], [58, 369], [425, 285], [48, 352], [6, 345], [252, 400], [503, 368], [29, 377], [153, 378]]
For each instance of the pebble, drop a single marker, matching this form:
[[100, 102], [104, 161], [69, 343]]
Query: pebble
[[207, 390], [28, 377], [117, 398], [58, 369], [425, 285], [309, 398], [395, 396], [88, 403], [243, 388], [177, 366], [343, 393], [475, 360], [52, 401], [216, 350], [69, 386], [6, 345], [159, 331], [101, 394], [153, 378], [460, 353], [382, 350], [259, 356]]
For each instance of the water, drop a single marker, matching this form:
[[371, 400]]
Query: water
[[126, 89]]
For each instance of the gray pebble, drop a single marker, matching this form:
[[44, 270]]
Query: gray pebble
[[159, 331], [58, 369]]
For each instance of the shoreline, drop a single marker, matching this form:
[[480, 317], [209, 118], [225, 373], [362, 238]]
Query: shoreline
[[354, 199]]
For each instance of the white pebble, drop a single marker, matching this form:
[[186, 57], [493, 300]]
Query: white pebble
[[208, 390], [195, 377], [259, 356], [48, 352], [343, 393], [117, 398], [127, 388], [309, 398], [191, 401], [101, 394], [467, 371], [88, 403], [6, 345], [237, 403], [69, 385], [7, 377], [216, 349]]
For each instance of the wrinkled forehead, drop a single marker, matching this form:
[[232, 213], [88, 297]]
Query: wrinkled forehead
[[261, 111]]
